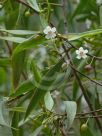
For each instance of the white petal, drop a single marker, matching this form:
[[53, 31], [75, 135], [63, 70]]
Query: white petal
[[47, 29], [81, 49], [48, 36], [53, 35], [53, 29], [85, 51], [78, 57], [84, 56], [77, 52]]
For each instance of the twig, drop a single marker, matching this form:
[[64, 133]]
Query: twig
[[53, 4], [94, 81], [90, 112], [97, 116], [64, 14], [62, 129], [83, 90], [97, 58]]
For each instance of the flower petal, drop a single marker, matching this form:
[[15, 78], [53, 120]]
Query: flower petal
[[53, 29], [85, 51], [84, 56], [81, 49], [53, 35], [78, 57], [77, 52], [48, 36], [47, 29]]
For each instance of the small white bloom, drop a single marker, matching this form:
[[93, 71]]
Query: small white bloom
[[1, 6], [99, 1], [50, 32], [78, 1], [88, 23], [81, 53]]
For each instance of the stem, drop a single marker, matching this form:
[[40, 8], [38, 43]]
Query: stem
[[64, 14], [66, 39], [97, 116], [83, 90], [98, 110]]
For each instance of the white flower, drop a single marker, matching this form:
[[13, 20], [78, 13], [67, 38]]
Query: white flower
[[78, 1], [81, 53], [99, 1], [1, 6], [88, 23], [50, 32]]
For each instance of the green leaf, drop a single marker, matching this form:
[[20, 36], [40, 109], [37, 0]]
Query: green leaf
[[44, 86], [3, 114], [28, 44], [3, 77], [85, 7], [15, 121], [76, 36], [49, 103], [100, 12], [17, 109], [13, 39], [86, 132], [17, 65], [71, 109], [5, 131], [20, 32], [37, 131], [4, 62], [34, 5], [23, 88], [36, 72]]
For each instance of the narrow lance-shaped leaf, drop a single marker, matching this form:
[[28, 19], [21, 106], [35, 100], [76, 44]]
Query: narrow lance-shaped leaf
[[37, 131], [13, 39], [76, 36], [36, 72], [4, 62], [34, 5], [43, 87], [5, 128], [20, 32], [26, 86], [17, 66], [28, 44]]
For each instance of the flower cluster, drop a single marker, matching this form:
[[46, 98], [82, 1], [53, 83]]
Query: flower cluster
[[50, 32]]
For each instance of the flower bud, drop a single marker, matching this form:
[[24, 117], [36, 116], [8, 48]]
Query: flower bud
[[84, 127], [88, 67], [27, 13]]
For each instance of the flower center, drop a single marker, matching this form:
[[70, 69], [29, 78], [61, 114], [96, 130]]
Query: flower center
[[50, 32], [81, 53]]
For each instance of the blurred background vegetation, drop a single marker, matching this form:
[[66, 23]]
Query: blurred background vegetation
[[70, 17]]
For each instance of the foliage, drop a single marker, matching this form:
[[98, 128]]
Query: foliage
[[50, 67]]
